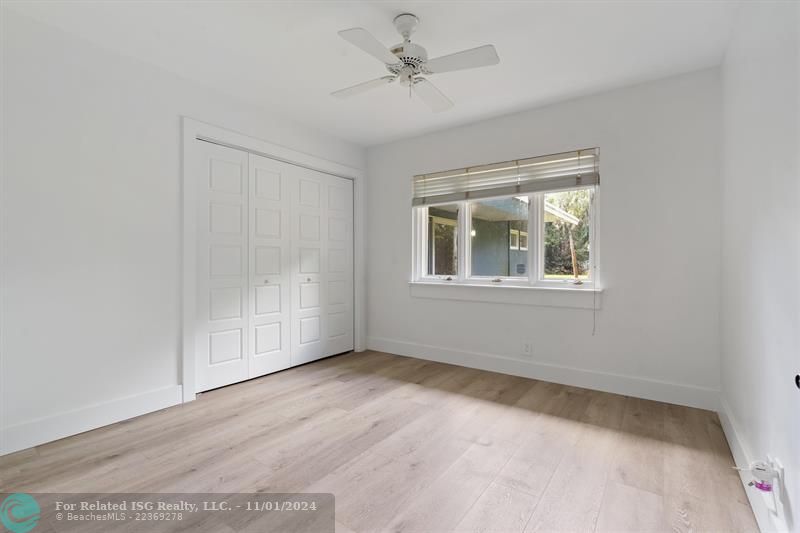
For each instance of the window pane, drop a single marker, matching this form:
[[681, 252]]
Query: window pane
[[499, 232], [443, 240], [566, 235]]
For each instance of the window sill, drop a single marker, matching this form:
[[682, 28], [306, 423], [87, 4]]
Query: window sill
[[584, 298]]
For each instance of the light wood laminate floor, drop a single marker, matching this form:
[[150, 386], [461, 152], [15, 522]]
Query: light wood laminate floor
[[411, 445]]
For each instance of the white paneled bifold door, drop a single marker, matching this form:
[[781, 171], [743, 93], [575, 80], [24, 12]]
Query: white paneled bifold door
[[274, 265], [322, 265]]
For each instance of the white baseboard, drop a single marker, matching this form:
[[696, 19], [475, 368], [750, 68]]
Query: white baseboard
[[760, 503], [649, 389], [62, 425]]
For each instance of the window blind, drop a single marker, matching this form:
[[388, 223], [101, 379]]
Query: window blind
[[546, 173]]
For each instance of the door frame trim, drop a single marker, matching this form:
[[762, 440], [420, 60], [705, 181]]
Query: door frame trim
[[194, 130]]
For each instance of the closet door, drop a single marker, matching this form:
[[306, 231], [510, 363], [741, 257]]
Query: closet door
[[339, 265], [222, 256], [274, 265], [270, 266], [322, 270]]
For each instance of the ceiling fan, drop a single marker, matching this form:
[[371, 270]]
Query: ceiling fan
[[408, 63]]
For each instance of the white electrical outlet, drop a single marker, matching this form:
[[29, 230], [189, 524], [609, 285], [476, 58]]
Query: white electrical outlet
[[776, 504], [527, 348], [777, 466], [768, 478]]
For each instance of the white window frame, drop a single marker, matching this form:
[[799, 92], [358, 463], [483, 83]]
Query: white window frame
[[535, 275]]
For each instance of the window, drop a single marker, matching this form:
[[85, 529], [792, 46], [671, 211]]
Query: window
[[493, 223], [519, 240], [566, 235], [443, 240], [522, 223]]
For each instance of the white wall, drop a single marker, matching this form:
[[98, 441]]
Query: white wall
[[761, 245], [659, 232], [91, 235]]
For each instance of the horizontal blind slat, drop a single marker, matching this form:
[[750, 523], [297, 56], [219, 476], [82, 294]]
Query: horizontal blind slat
[[555, 171], [552, 184]]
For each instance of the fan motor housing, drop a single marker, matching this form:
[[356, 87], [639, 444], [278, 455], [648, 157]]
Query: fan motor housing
[[410, 55]]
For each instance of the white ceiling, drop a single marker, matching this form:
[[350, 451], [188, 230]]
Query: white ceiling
[[287, 56]]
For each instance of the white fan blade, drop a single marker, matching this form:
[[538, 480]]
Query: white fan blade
[[432, 96], [364, 40], [481, 56], [363, 87]]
